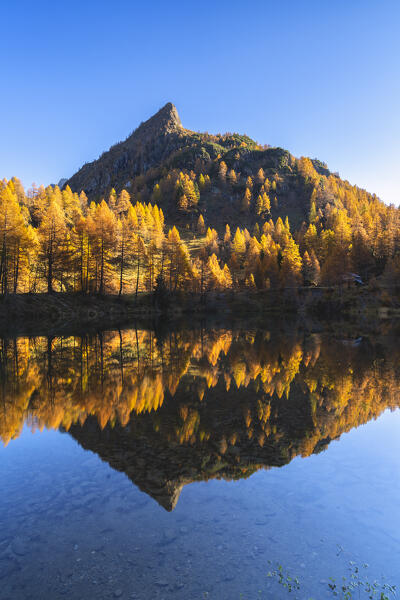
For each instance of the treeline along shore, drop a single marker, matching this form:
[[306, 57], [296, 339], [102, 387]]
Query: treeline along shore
[[42, 313]]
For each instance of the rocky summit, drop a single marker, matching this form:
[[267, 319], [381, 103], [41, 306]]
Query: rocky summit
[[149, 145]]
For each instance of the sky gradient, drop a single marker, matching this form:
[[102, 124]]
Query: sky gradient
[[320, 79]]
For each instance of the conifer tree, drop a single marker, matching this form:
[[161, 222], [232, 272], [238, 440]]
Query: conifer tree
[[239, 242], [263, 205], [103, 248], [313, 213], [201, 228], [311, 269], [227, 234], [123, 203], [52, 232], [260, 176], [222, 171], [17, 240], [127, 245], [246, 200], [232, 178], [291, 265]]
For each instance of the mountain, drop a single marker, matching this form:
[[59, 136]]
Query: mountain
[[161, 148]]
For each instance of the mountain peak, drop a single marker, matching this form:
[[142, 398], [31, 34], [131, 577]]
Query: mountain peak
[[169, 114], [166, 120]]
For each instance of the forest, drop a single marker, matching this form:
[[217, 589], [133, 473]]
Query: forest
[[56, 240]]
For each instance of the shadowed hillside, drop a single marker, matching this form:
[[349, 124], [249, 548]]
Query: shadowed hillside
[[161, 148]]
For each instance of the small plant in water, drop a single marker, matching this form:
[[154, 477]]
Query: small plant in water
[[284, 579], [356, 585]]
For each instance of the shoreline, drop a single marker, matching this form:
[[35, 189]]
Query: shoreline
[[32, 313]]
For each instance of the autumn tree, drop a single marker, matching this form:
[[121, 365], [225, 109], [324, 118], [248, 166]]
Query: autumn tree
[[246, 200], [222, 171], [232, 177], [18, 240], [291, 264], [263, 205], [311, 269], [127, 245], [201, 228], [260, 176], [227, 234], [180, 268], [104, 238], [52, 234]]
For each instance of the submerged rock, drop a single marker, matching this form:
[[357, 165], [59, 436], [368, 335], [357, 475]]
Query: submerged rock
[[20, 546]]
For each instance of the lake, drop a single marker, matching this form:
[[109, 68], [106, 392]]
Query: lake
[[189, 463]]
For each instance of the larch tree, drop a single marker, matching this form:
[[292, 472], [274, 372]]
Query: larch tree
[[246, 200], [291, 264], [222, 171], [52, 233], [140, 257], [227, 234], [202, 182], [123, 203], [127, 245], [201, 228], [232, 177], [17, 240], [311, 269], [239, 242], [105, 233], [260, 176], [263, 205]]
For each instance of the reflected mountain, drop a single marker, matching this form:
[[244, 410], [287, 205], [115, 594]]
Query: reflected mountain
[[196, 404]]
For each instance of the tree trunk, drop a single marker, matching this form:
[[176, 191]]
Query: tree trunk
[[101, 287], [50, 274], [81, 266], [137, 278], [87, 266], [121, 271], [16, 272], [5, 267]]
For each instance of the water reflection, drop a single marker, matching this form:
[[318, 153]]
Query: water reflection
[[199, 404]]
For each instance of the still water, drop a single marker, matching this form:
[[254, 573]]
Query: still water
[[140, 464]]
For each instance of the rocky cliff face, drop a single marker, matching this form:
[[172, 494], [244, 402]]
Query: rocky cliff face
[[148, 146]]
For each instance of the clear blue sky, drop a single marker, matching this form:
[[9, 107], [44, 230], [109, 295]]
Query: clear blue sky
[[321, 79]]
